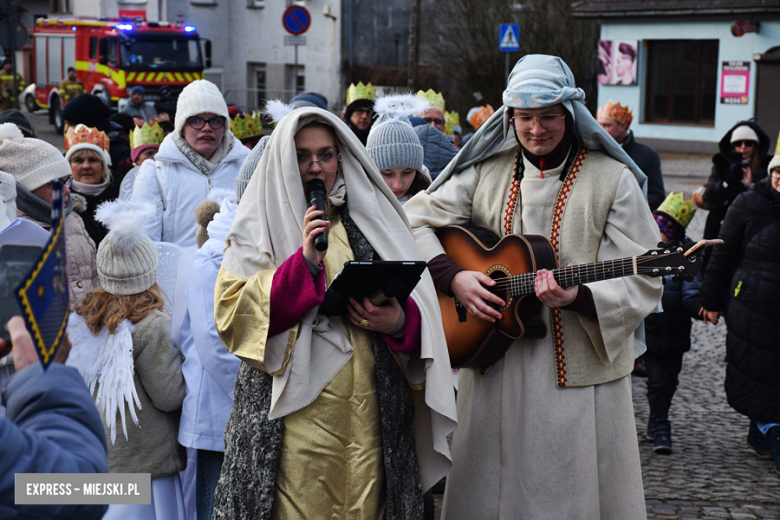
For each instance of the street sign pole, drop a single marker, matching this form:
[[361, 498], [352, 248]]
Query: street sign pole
[[295, 73], [506, 68], [296, 20], [508, 41]]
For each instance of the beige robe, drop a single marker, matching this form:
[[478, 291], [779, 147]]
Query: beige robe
[[526, 448]]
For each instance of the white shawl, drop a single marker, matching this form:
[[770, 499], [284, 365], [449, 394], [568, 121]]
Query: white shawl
[[267, 230]]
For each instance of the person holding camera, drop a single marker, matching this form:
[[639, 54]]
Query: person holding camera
[[741, 162]]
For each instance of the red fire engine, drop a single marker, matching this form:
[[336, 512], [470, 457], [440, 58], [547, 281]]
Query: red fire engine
[[111, 56]]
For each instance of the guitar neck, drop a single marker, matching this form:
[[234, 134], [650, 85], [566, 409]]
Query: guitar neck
[[523, 284]]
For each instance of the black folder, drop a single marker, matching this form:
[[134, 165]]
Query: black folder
[[379, 281]]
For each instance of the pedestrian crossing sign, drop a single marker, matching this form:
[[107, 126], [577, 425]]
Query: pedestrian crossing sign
[[509, 37]]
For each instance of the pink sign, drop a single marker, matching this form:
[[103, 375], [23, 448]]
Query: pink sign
[[735, 82]]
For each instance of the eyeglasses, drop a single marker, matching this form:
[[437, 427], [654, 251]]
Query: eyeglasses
[[363, 112], [776, 174], [549, 122], [328, 160], [435, 121], [740, 144], [198, 122]]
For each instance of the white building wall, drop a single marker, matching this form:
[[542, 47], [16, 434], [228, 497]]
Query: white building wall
[[731, 48], [111, 8], [243, 35]]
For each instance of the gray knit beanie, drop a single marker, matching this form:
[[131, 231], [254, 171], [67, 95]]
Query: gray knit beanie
[[393, 143], [126, 259], [249, 166]]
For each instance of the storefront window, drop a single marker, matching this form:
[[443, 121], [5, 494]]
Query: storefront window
[[682, 77]]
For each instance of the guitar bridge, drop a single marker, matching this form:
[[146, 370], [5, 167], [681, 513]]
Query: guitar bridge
[[462, 314]]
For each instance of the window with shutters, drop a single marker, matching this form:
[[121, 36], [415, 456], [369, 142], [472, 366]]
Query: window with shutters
[[681, 81]]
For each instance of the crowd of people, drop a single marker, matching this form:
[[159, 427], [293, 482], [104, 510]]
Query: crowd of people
[[196, 283]]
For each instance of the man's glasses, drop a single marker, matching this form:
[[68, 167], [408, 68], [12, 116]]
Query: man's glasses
[[549, 122], [363, 112], [328, 160], [433, 120], [198, 122]]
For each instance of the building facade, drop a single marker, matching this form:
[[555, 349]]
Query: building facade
[[251, 62], [698, 67]]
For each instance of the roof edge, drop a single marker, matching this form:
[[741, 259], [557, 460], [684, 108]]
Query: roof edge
[[677, 12]]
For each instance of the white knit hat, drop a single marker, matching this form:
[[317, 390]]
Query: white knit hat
[[774, 163], [744, 133], [32, 162], [199, 97], [393, 142], [126, 259]]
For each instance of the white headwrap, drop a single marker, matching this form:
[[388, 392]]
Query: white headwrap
[[268, 229], [539, 81]]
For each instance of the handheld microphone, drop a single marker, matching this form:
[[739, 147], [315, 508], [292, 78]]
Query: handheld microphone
[[315, 194]]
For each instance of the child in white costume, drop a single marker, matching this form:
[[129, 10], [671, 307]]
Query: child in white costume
[[122, 347]]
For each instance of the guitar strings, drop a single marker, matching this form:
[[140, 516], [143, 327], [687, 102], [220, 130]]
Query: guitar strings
[[526, 280]]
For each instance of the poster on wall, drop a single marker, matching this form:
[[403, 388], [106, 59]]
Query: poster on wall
[[618, 62], [734, 82]]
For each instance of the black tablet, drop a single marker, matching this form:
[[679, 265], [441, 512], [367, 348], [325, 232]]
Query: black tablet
[[379, 281]]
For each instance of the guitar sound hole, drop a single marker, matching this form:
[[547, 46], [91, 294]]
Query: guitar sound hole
[[502, 289]]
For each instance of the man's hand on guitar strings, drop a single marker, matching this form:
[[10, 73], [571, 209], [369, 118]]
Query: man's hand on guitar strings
[[550, 293], [468, 288]]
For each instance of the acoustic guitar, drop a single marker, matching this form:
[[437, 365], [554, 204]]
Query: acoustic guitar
[[512, 262]]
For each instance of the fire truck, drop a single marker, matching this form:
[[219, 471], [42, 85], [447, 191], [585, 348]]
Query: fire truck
[[111, 56]]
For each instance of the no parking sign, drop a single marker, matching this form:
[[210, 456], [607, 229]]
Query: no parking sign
[[296, 19]]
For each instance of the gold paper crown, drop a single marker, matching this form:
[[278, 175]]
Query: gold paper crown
[[451, 120], [250, 125], [434, 99], [83, 134], [618, 112], [480, 116], [680, 210], [448, 124], [360, 91], [146, 135]]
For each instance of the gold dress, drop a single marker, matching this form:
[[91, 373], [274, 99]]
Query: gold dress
[[331, 461]]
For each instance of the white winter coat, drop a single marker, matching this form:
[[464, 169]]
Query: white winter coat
[[209, 369], [175, 186]]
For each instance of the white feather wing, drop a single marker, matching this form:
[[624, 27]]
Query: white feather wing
[[106, 363], [116, 379]]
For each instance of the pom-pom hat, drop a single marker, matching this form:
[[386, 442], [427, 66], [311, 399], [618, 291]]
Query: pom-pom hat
[[199, 97], [126, 259], [393, 142], [32, 162]]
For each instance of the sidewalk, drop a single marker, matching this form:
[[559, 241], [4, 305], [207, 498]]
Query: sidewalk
[[712, 473]]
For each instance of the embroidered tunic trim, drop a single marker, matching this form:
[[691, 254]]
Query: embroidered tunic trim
[[555, 314]]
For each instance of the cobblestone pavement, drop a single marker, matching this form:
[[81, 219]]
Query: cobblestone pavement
[[712, 472]]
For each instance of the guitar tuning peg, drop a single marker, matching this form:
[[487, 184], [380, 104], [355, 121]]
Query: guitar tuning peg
[[661, 244], [688, 278], [663, 280]]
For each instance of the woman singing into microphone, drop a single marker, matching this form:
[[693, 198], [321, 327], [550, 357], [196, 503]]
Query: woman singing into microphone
[[333, 416]]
